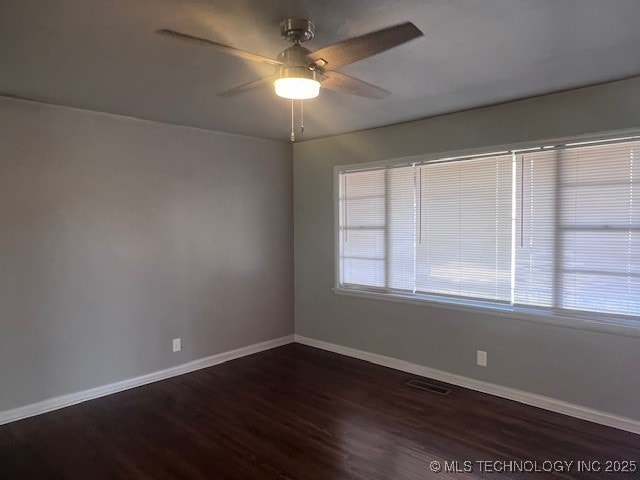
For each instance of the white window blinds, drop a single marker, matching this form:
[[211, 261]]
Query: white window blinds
[[556, 227], [464, 241], [535, 228], [443, 228], [581, 236], [363, 228]]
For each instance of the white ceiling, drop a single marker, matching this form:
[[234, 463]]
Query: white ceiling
[[104, 55]]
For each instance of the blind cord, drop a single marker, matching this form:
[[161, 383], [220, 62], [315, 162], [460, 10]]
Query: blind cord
[[420, 207], [346, 221], [521, 201]]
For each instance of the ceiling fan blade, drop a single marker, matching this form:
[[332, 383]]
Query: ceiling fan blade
[[253, 57], [357, 48], [246, 87], [345, 83]]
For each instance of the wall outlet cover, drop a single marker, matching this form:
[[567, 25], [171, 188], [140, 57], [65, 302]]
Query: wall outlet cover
[[482, 358]]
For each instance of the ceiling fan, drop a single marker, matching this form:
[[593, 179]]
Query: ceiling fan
[[299, 72]]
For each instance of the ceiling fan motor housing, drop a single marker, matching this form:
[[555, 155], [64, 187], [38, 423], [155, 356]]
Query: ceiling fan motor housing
[[297, 30], [296, 64]]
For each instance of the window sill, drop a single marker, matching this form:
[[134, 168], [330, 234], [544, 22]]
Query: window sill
[[589, 322]]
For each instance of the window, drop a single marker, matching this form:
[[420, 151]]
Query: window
[[552, 227]]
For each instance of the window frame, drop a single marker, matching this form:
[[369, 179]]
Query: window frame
[[619, 324]]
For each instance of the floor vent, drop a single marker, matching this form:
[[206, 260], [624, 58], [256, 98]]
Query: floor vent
[[428, 387]]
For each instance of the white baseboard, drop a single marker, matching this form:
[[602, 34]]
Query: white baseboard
[[547, 403], [541, 401], [62, 401]]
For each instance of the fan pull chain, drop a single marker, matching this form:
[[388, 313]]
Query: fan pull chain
[[293, 133], [293, 127], [301, 119]]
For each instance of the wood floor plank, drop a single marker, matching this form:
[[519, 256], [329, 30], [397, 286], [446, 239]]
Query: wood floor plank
[[297, 412]]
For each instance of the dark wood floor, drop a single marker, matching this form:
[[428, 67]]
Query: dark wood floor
[[298, 413]]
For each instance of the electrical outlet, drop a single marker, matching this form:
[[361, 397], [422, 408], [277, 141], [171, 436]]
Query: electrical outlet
[[176, 345], [482, 358]]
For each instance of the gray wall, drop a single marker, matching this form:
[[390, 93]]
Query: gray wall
[[597, 370], [117, 235]]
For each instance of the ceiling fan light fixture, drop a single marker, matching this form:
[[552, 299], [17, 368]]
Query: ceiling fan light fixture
[[297, 88], [297, 83]]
